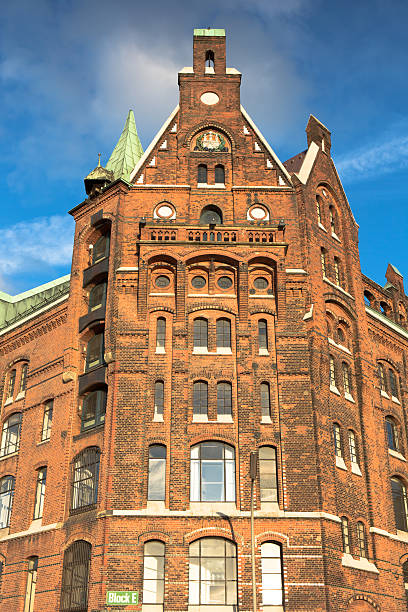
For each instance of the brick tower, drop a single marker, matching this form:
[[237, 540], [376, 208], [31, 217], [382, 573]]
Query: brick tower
[[208, 414]]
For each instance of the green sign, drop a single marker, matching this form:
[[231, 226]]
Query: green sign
[[122, 598]]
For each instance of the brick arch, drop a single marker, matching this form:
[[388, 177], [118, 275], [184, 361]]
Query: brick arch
[[147, 536], [162, 309], [77, 534], [212, 253], [86, 232], [207, 125], [225, 309], [267, 536], [261, 310], [389, 362], [213, 438], [213, 532], [362, 603]]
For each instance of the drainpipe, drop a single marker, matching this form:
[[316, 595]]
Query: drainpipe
[[253, 472]]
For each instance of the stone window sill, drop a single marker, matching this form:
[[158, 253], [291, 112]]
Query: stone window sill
[[384, 394], [335, 236], [396, 454], [264, 351], [224, 418], [329, 282], [207, 186], [339, 346], [224, 350], [395, 400], [402, 534], [9, 455], [158, 418], [160, 351], [266, 419], [155, 506], [334, 390], [340, 463], [200, 418], [361, 563], [215, 507], [43, 442], [20, 396], [355, 468], [349, 398], [8, 401], [322, 227]]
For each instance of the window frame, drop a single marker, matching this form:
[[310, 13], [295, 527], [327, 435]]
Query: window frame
[[32, 571], [156, 567], [392, 432], [7, 508], [75, 577], [153, 463], [161, 329], [202, 174], [265, 462], [262, 335], [224, 398], [200, 576], [345, 535], [40, 487], [323, 261], [347, 379], [200, 333], [220, 174], [47, 420], [85, 479], [393, 383], [200, 398], [11, 383], [100, 409], [337, 441], [198, 481], [7, 432], [265, 399], [362, 540], [99, 341], [103, 254], [23, 378], [332, 372], [353, 447], [400, 503], [223, 333], [266, 601], [102, 303]]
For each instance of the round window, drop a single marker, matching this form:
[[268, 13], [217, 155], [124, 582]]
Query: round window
[[261, 283], [224, 282], [165, 211], [198, 282], [162, 281], [258, 213], [210, 98]]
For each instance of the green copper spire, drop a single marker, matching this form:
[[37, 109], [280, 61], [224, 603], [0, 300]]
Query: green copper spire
[[127, 152]]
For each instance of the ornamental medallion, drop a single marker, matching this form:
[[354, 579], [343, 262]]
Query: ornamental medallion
[[211, 141]]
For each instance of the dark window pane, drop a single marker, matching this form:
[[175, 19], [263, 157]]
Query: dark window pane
[[200, 333], [10, 439], [211, 215], [94, 352], [93, 409], [97, 297], [100, 249], [224, 398], [75, 575], [219, 174], [262, 334], [224, 333], [198, 282], [200, 397], [159, 398], [393, 384], [399, 498], [85, 479], [162, 281], [23, 379], [225, 282], [202, 173], [161, 333], [265, 400]]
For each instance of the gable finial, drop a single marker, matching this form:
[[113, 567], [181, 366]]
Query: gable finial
[[99, 159]]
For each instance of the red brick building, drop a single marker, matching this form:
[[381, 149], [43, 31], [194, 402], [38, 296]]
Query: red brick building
[[215, 312]]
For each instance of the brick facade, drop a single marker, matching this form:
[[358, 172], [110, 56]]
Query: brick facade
[[318, 320]]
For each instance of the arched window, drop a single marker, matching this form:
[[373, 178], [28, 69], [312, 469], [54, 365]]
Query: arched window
[[211, 215], [224, 398], [219, 174], [268, 479], [159, 398], [362, 540], [212, 475], [23, 378], [265, 400], [319, 209], [10, 437], [200, 335], [262, 335], [47, 420], [392, 434], [399, 499], [200, 397], [212, 573], [332, 214], [369, 299], [153, 573], [272, 578], [75, 577], [85, 479], [202, 174], [100, 249], [156, 490], [97, 297], [160, 335], [338, 447], [393, 384], [332, 372], [209, 59], [323, 261], [347, 378], [7, 484], [94, 352], [223, 333], [31, 584], [341, 337], [345, 534], [11, 384], [337, 275], [40, 492], [93, 409], [353, 446], [381, 373]]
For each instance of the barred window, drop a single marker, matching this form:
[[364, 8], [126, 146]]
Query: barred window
[[10, 438], [85, 479], [338, 450], [93, 409], [200, 335], [393, 384], [212, 476], [268, 481], [153, 574], [262, 334], [392, 434], [265, 400], [202, 173], [157, 473], [212, 573], [332, 372], [219, 174], [352, 446], [31, 584], [40, 492], [272, 578], [100, 249], [399, 499], [383, 384], [23, 377], [223, 333], [224, 398], [200, 397], [7, 484], [347, 378], [47, 420], [94, 352], [345, 534], [158, 398], [362, 540], [11, 383], [161, 333], [75, 577], [97, 297]]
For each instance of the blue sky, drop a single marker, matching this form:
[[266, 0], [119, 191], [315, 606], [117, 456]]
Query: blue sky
[[71, 69]]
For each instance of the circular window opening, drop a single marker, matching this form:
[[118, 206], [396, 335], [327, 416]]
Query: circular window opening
[[261, 283], [258, 213], [225, 282], [165, 211], [162, 281], [198, 282], [209, 98]]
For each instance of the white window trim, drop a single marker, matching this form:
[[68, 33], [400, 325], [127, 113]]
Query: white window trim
[[334, 390], [384, 394], [339, 346], [224, 350], [263, 351], [20, 396], [361, 563], [200, 418], [395, 400], [200, 350], [349, 397], [335, 236], [396, 454], [160, 350], [207, 186], [340, 463], [322, 227], [266, 419], [355, 468], [8, 401], [158, 418], [224, 418]]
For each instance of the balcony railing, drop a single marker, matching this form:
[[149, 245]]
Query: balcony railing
[[205, 234]]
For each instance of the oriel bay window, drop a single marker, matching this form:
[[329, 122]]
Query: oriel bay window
[[75, 577], [7, 484], [93, 409], [10, 437], [97, 297], [100, 248], [272, 580], [94, 352], [212, 474], [212, 573], [40, 493], [268, 482], [399, 499], [153, 575], [85, 479], [157, 473]]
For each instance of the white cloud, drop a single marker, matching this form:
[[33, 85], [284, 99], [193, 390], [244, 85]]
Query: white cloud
[[380, 158], [45, 241]]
